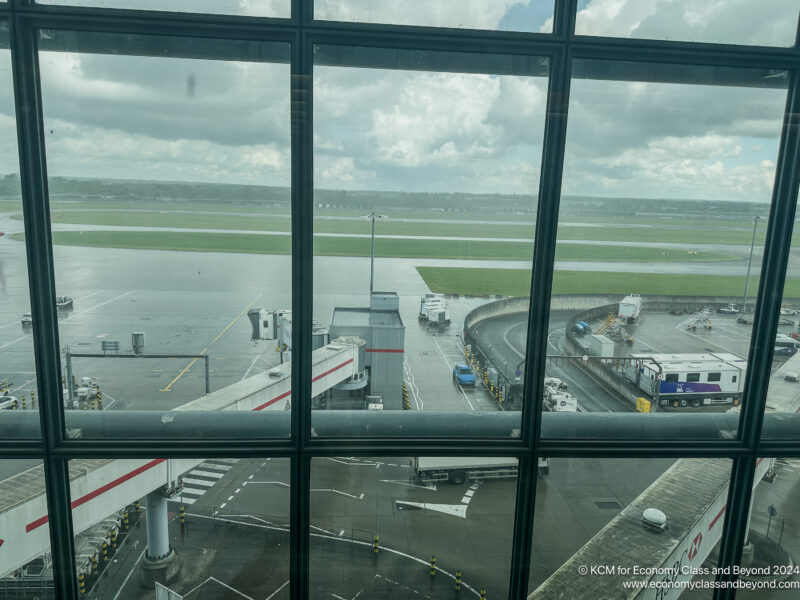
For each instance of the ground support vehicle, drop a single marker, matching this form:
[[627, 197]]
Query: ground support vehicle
[[63, 302], [731, 309], [630, 307], [556, 398], [680, 380], [463, 375], [785, 346]]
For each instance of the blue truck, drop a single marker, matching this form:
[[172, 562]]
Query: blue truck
[[463, 375]]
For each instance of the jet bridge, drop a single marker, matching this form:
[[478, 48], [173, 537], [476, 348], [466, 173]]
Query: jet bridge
[[100, 487]]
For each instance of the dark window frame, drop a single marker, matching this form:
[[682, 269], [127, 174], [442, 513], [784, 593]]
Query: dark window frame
[[303, 32]]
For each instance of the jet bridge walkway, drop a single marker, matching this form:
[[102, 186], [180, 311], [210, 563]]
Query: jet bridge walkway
[[101, 487]]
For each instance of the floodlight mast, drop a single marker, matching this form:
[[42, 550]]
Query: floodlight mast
[[749, 262]]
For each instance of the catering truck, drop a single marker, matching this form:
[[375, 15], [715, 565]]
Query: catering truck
[[630, 307], [694, 380], [460, 469]]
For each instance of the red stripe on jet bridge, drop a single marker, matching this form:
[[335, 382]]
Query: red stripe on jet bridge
[[317, 378], [119, 480], [384, 350], [273, 401], [719, 514], [101, 490], [344, 364]]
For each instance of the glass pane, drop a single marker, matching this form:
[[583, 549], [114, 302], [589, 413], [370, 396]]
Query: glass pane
[[611, 525], [205, 526], [667, 184], [772, 534], [170, 213], [254, 8], [771, 23], [18, 388], [398, 527], [442, 168], [26, 567], [509, 15], [781, 418]]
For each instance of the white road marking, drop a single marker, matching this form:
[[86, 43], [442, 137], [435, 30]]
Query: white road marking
[[430, 486], [202, 482], [510, 345], [341, 532], [361, 497], [267, 483], [222, 505], [133, 568], [337, 492], [24, 337], [275, 593], [321, 529], [409, 376], [213, 474], [252, 364], [457, 510], [106, 406], [248, 479], [552, 333], [106, 302], [187, 500], [89, 296], [416, 559], [230, 498], [237, 490]]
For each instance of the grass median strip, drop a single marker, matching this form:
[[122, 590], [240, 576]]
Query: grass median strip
[[516, 282], [384, 248]]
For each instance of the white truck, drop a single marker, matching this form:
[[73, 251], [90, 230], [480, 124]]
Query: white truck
[[460, 469], [557, 398], [630, 307]]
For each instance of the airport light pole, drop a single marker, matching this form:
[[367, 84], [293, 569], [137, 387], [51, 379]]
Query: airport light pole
[[749, 262], [372, 216]]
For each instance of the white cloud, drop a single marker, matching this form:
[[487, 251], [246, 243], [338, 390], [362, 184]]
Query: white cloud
[[730, 21], [483, 14], [437, 117]]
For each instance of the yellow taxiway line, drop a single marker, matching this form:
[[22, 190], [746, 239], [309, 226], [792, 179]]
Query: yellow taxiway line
[[185, 370]]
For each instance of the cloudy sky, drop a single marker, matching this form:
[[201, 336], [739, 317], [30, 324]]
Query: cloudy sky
[[194, 120]]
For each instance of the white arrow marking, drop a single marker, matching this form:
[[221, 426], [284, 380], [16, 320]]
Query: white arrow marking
[[457, 510], [430, 486]]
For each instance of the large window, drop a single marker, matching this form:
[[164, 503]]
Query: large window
[[347, 299]]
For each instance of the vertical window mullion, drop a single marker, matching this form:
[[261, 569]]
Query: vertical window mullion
[[770, 292], [41, 280], [302, 194]]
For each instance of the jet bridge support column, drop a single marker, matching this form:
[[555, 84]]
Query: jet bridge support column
[[160, 562]]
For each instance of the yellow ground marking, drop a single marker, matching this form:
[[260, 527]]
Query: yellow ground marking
[[204, 350]]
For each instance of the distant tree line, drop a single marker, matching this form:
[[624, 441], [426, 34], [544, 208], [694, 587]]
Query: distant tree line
[[164, 191]]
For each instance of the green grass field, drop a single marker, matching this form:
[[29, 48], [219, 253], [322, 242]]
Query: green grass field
[[670, 231], [516, 282], [385, 248]]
